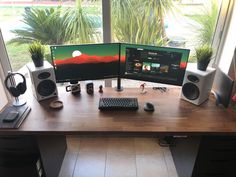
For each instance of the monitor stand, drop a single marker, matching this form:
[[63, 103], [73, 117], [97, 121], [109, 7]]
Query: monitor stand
[[119, 88]]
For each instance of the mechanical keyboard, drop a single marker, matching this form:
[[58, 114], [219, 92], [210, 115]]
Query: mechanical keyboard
[[118, 104]]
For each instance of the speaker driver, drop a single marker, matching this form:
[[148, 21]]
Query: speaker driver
[[190, 91], [46, 87]]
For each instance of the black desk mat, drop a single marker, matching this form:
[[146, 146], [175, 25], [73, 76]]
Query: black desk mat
[[23, 112]]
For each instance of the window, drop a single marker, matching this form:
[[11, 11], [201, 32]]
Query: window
[[185, 24], [229, 43], [176, 23], [24, 21]]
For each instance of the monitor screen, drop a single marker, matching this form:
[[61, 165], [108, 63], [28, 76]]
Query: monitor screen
[[154, 64], [85, 62]]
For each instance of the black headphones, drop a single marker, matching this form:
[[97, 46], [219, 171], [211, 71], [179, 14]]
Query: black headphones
[[17, 90]]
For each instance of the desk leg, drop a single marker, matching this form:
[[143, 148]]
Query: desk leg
[[184, 154], [52, 150]]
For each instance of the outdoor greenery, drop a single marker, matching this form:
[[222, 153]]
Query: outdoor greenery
[[18, 55], [204, 53], [133, 21], [9, 12], [140, 21], [80, 28], [45, 25], [48, 26], [205, 23], [204, 26]]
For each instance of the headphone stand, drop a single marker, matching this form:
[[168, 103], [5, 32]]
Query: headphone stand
[[18, 102], [15, 89]]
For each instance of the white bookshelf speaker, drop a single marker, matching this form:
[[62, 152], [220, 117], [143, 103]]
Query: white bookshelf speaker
[[43, 81], [197, 84]]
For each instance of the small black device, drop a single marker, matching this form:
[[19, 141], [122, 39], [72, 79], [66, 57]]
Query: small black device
[[15, 89], [118, 104], [89, 88], [11, 116], [149, 107]]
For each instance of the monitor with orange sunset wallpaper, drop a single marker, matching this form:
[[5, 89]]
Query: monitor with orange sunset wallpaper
[[85, 62]]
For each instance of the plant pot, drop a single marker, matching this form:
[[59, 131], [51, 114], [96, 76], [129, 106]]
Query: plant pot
[[202, 65], [38, 62]]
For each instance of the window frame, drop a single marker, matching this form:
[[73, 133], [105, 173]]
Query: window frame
[[4, 68], [221, 31], [106, 17]]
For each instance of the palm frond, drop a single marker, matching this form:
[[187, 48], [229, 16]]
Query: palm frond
[[140, 21], [205, 23], [80, 27], [45, 25]]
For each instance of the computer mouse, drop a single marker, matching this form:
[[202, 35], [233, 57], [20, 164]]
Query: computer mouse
[[149, 107]]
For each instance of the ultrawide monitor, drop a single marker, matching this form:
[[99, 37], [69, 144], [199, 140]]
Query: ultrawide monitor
[[85, 62], [154, 64]]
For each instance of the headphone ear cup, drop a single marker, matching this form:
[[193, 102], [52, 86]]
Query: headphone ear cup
[[21, 87], [14, 92]]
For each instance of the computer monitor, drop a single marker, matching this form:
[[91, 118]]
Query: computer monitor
[[74, 63], [154, 64]]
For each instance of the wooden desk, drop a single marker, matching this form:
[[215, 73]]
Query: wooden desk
[[80, 116]]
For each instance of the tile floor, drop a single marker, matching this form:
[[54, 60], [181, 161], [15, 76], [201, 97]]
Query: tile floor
[[116, 157]]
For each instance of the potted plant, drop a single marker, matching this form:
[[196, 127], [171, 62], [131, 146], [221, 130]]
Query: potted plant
[[203, 55], [37, 52]]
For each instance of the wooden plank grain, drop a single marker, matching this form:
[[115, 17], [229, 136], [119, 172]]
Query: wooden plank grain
[[172, 115]]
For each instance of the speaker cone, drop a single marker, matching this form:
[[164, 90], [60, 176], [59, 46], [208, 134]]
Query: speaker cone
[[190, 91], [46, 87]]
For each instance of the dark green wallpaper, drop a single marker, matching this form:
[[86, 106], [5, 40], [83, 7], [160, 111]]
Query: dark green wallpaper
[[185, 52], [65, 51]]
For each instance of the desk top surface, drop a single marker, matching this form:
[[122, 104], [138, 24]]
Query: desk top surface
[[172, 115]]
